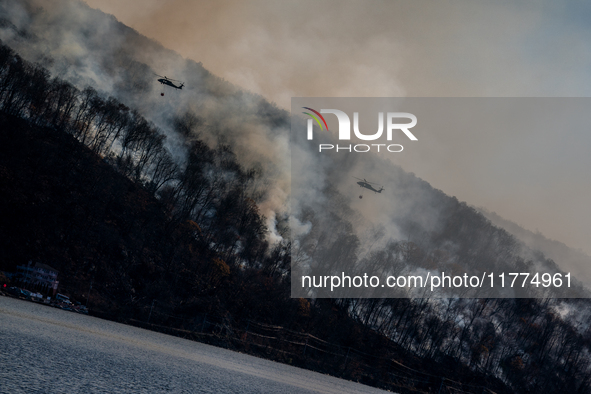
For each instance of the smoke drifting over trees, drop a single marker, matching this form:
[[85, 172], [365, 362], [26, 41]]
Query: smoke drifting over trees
[[216, 159], [88, 48]]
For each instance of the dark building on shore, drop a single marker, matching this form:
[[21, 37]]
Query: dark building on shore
[[40, 277]]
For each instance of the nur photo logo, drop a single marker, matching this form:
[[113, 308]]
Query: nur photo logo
[[393, 125]]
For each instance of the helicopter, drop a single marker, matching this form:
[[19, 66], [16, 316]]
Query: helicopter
[[368, 185], [169, 82]]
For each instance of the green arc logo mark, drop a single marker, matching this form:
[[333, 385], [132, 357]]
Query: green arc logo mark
[[316, 117]]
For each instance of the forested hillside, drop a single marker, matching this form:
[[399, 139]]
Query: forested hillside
[[575, 260], [89, 188], [171, 212]]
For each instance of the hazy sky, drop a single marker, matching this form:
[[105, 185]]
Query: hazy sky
[[282, 49]]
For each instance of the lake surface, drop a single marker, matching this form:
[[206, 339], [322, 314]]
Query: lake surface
[[47, 350]]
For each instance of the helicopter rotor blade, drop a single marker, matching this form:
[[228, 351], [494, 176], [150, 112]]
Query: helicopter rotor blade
[[369, 183], [168, 79], [366, 181]]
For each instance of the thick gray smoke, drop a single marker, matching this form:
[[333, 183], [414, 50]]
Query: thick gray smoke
[[88, 47]]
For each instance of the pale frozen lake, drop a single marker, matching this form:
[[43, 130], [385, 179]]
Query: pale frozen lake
[[47, 350]]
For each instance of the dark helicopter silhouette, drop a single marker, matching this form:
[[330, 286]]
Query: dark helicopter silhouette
[[368, 185], [169, 82]]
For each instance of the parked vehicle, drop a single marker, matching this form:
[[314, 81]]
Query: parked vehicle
[[63, 298], [18, 292]]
